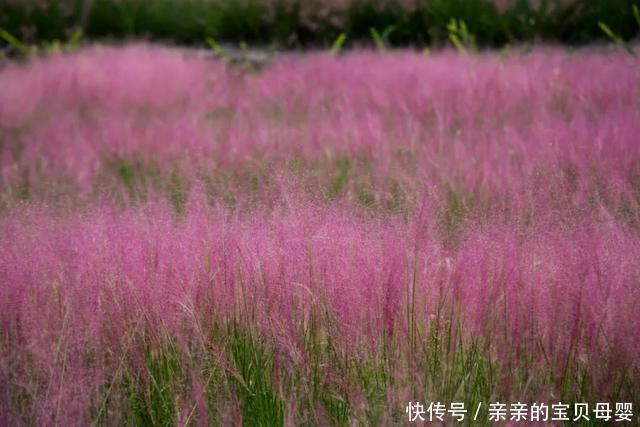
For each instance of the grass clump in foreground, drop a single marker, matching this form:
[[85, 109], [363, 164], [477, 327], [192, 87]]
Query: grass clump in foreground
[[256, 383], [259, 403]]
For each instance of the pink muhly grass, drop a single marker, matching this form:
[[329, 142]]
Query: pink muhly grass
[[392, 209], [491, 126], [557, 293]]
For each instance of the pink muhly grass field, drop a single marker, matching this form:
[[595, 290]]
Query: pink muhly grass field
[[320, 242]]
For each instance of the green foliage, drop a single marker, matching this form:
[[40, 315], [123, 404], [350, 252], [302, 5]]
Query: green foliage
[[340, 178], [259, 404], [615, 38], [381, 40], [455, 212], [75, 39], [125, 170], [14, 42], [216, 48], [137, 177], [152, 394], [338, 44], [177, 192], [396, 201], [191, 22], [374, 379], [46, 47], [338, 408], [366, 196], [460, 36], [618, 40]]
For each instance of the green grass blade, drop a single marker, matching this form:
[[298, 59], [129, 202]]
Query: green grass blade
[[377, 39], [338, 44], [215, 47], [615, 38], [13, 41]]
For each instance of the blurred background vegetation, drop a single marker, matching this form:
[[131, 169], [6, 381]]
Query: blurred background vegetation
[[317, 23]]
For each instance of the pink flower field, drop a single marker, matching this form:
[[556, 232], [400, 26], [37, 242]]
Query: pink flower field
[[320, 242]]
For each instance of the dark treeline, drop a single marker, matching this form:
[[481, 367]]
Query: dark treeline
[[315, 23]]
